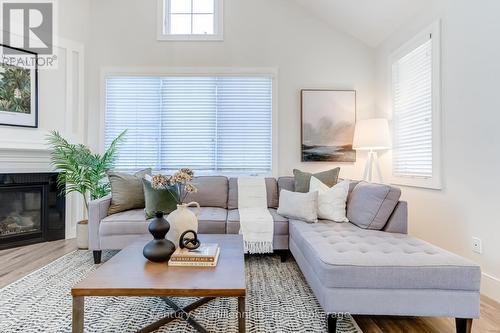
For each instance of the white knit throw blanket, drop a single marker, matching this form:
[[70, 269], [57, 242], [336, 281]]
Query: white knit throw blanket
[[256, 223]]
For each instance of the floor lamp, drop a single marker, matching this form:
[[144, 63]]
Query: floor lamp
[[372, 135]]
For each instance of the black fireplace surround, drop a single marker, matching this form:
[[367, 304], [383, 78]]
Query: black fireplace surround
[[32, 209]]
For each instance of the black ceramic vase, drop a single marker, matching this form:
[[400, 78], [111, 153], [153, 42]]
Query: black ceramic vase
[[159, 249]]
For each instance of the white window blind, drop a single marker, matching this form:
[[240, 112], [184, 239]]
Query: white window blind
[[188, 122], [216, 124], [134, 103], [244, 123], [413, 113]]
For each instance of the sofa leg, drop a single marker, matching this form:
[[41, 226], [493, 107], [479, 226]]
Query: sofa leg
[[97, 257], [283, 255], [332, 323], [463, 325]]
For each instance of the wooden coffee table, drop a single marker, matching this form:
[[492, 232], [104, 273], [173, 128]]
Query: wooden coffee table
[[128, 273]]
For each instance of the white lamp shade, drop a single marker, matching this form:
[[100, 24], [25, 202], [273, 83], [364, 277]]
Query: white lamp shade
[[372, 134]]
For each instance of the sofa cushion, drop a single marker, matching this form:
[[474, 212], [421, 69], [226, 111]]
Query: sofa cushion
[[233, 222], [370, 205], [331, 200], [212, 220], [127, 192], [158, 199], [212, 191], [352, 185], [130, 222], [345, 256], [286, 183], [301, 206], [271, 189], [302, 179]]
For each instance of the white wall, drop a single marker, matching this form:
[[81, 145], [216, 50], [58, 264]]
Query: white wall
[[258, 33], [61, 104], [469, 203]]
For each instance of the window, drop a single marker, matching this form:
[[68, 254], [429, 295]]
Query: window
[[211, 124], [416, 112], [190, 20]]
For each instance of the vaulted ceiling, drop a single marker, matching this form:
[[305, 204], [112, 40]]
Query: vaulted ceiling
[[371, 21]]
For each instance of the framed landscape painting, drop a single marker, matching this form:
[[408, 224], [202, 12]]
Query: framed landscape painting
[[18, 87], [328, 120]]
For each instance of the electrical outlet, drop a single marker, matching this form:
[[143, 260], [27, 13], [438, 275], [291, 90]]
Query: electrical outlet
[[477, 246]]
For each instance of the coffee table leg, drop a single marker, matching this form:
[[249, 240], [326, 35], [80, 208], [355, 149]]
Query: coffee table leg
[[241, 314], [178, 313], [78, 314]]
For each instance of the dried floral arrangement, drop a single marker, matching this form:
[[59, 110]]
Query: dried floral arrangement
[[177, 184]]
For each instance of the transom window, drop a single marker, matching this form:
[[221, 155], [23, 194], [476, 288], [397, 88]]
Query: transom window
[[213, 124], [190, 20]]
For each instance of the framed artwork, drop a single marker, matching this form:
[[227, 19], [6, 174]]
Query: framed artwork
[[328, 120], [18, 87]]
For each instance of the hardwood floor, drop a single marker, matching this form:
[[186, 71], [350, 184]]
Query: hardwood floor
[[488, 323], [18, 262]]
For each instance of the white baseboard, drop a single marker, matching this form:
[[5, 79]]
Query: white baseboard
[[490, 286]]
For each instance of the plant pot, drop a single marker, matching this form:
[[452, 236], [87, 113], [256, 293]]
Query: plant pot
[[82, 234], [182, 219]]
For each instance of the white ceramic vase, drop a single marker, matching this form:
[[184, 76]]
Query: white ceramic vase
[[182, 219]]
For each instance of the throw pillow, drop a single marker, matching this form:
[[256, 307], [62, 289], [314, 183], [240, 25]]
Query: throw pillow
[[126, 190], [371, 205], [299, 206], [157, 200], [302, 179], [331, 200]]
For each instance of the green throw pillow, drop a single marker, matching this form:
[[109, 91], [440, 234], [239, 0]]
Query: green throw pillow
[[126, 190], [302, 179], [157, 200]]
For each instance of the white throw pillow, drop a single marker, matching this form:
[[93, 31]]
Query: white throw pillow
[[331, 200], [299, 206]]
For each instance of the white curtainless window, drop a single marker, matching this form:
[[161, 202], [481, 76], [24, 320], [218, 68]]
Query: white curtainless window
[[190, 19], [416, 112], [212, 124]]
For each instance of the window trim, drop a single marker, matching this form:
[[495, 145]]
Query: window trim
[[435, 182], [198, 71], [163, 35]]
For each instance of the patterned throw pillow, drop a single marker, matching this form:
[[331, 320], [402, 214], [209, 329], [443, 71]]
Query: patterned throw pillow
[[331, 200]]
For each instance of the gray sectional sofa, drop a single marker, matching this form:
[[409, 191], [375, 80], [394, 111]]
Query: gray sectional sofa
[[350, 269]]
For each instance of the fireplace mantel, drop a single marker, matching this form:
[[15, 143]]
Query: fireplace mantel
[[24, 160]]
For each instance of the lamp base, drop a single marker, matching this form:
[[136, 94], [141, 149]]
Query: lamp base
[[372, 159]]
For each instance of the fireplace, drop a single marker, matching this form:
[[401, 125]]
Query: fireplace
[[32, 209]]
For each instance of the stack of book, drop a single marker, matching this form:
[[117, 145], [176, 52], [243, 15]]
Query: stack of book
[[206, 255]]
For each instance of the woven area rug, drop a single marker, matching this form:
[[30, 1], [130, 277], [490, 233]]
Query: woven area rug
[[278, 300]]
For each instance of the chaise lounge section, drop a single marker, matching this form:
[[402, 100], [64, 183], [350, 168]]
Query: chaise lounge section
[[370, 272]]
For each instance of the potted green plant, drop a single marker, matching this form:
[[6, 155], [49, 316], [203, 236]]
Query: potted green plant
[[82, 171]]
